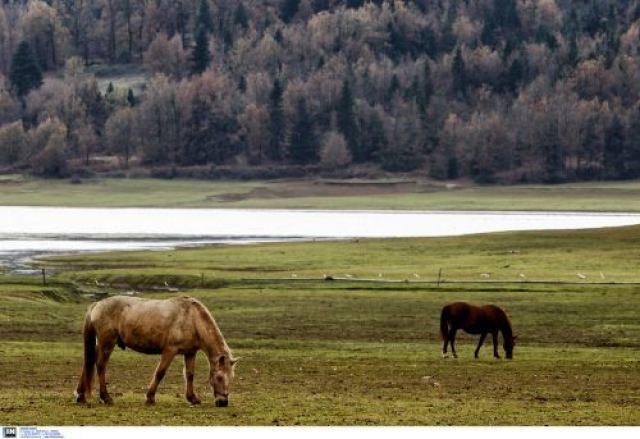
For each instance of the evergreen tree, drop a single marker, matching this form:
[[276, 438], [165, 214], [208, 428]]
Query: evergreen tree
[[303, 147], [506, 17], [459, 74], [488, 35], [394, 86], [131, 99], [203, 17], [572, 56], [276, 121], [614, 154], [515, 74], [289, 9], [25, 74], [240, 17], [426, 92], [201, 54], [347, 124], [632, 146], [553, 161], [373, 137], [398, 42]]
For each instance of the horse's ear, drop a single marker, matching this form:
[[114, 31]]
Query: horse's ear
[[234, 361]]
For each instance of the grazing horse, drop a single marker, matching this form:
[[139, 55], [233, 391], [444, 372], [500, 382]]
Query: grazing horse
[[476, 320], [177, 326]]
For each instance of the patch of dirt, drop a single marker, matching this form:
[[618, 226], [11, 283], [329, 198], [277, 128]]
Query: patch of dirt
[[332, 188]]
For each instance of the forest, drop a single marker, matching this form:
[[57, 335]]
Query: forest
[[496, 91]]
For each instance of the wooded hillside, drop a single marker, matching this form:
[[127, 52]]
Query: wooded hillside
[[494, 90]]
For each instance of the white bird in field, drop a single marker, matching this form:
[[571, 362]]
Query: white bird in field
[[294, 275], [416, 275], [348, 275], [523, 276], [485, 275], [379, 274], [602, 275], [582, 276]]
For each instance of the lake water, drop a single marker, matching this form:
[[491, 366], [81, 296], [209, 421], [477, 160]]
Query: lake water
[[29, 231]]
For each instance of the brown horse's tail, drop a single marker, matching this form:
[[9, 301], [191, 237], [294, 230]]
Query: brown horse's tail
[[86, 378], [444, 324]]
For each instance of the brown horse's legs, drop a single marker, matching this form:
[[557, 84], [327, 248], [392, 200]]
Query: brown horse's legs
[[452, 340], [495, 344], [165, 361], [445, 336], [189, 369], [105, 347], [482, 337]]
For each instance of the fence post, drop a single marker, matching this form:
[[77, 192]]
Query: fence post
[[439, 276], [44, 277]]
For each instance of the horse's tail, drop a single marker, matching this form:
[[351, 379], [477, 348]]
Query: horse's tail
[[86, 378], [444, 323]]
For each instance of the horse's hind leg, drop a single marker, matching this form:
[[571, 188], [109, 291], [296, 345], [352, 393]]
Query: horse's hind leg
[[452, 339], [165, 361], [105, 347], [482, 337], [189, 370], [444, 347]]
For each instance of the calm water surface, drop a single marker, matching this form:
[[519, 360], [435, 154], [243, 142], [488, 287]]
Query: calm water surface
[[29, 231]]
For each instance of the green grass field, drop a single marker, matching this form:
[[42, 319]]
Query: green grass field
[[318, 352], [319, 194]]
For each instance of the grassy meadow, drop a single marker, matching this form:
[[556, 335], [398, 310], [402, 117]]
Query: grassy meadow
[[345, 352], [319, 194]]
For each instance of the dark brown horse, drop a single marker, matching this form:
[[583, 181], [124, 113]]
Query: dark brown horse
[[483, 320]]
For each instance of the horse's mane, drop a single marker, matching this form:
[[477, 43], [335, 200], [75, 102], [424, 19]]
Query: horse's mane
[[206, 315], [508, 329]]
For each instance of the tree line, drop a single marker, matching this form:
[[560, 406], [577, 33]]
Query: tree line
[[493, 90]]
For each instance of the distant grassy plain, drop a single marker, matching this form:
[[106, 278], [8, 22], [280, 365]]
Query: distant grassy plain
[[318, 352], [319, 194]]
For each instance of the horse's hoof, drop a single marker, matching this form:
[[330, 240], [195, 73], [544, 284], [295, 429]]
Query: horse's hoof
[[107, 401], [150, 402], [194, 400], [81, 399]]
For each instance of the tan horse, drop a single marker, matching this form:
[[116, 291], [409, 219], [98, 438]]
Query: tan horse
[[177, 326]]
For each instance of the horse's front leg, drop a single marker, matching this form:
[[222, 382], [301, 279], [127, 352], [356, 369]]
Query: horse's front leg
[[165, 361], [482, 337], [105, 347], [495, 345], [189, 370]]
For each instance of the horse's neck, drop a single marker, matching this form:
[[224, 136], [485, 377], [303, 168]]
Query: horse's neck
[[212, 340], [505, 327]]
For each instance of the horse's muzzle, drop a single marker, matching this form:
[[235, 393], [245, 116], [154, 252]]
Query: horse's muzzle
[[222, 402], [221, 399]]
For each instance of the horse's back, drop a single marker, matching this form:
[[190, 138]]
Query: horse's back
[[146, 325], [457, 310], [471, 318]]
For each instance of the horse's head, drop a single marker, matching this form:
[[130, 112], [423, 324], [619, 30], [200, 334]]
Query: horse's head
[[220, 378], [509, 344]]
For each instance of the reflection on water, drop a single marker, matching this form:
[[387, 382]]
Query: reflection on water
[[28, 231]]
